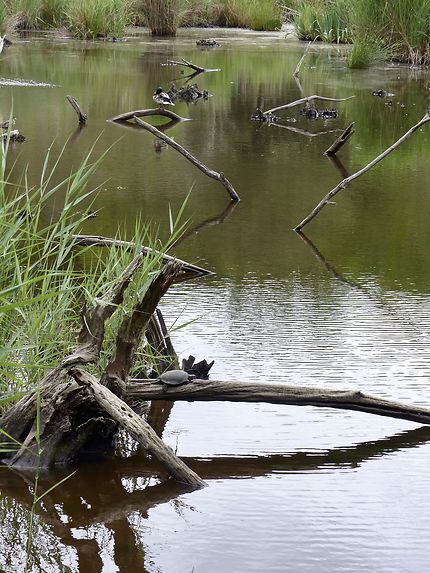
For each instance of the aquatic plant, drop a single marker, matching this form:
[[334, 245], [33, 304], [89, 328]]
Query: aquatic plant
[[23, 14], [90, 19], [322, 20], [161, 16]]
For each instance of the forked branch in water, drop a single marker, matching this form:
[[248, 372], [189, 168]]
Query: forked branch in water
[[209, 172], [345, 182], [148, 112], [305, 100], [187, 64], [341, 140]]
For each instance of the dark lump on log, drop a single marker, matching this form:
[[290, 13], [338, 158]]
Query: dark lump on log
[[315, 113], [267, 117], [199, 370]]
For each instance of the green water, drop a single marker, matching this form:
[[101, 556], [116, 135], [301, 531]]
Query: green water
[[290, 489]]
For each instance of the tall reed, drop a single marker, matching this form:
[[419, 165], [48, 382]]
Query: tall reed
[[90, 19], [161, 16]]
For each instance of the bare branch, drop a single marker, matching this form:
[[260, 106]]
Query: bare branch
[[341, 140], [148, 112], [82, 117], [306, 100], [345, 182], [209, 172]]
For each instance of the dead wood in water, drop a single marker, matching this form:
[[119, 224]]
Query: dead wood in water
[[209, 172], [56, 423], [128, 115], [188, 270], [82, 117], [216, 390], [188, 64], [305, 100], [302, 59], [341, 140], [345, 182], [140, 430]]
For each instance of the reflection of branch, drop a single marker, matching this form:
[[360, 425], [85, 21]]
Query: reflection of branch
[[334, 159], [331, 269], [163, 127], [207, 223], [302, 131], [148, 112]]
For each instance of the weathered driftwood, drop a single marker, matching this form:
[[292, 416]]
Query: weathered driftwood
[[188, 64], [187, 269], [341, 140], [140, 430], [306, 100], [128, 115], [74, 415], [216, 390], [209, 172], [345, 182], [82, 117]]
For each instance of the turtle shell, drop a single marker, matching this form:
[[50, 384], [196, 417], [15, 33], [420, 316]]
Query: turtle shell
[[174, 377]]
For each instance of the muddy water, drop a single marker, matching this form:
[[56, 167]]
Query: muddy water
[[290, 489]]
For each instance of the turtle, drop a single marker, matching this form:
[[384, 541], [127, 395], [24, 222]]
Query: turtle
[[174, 378]]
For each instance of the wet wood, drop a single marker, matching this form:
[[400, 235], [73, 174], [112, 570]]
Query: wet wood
[[188, 270], [341, 140], [209, 172], [305, 100], [82, 117], [138, 429], [345, 182], [188, 64], [128, 115], [133, 327], [216, 390]]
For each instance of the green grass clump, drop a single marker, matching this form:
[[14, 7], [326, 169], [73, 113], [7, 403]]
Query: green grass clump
[[253, 14], [90, 19], [162, 16], [325, 20], [23, 14]]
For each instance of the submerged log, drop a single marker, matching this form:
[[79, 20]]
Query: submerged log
[[345, 182], [82, 117], [209, 172], [341, 140], [216, 390]]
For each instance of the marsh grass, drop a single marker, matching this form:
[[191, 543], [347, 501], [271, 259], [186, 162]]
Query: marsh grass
[[162, 16], [90, 19], [323, 20]]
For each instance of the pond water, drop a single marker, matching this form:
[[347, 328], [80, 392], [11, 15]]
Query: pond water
[[290, 489]]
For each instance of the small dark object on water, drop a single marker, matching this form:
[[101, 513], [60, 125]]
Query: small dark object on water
[[203, 43], [389, 102], [267, 117], [315, 113], [381, 93], [174, 378]]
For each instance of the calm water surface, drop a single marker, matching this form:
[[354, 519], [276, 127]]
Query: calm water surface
[[290, 489]]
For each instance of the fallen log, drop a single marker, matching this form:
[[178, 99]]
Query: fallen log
[[140, 430], [341, 140], [128, 115], [187, 269], [345, 182], [305, 100], [216, 390], [209, 172], [82, 117]]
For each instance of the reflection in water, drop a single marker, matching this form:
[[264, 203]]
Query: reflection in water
[[86, 523]]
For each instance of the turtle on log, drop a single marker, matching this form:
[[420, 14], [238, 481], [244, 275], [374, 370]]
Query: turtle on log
[[174, 378]]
